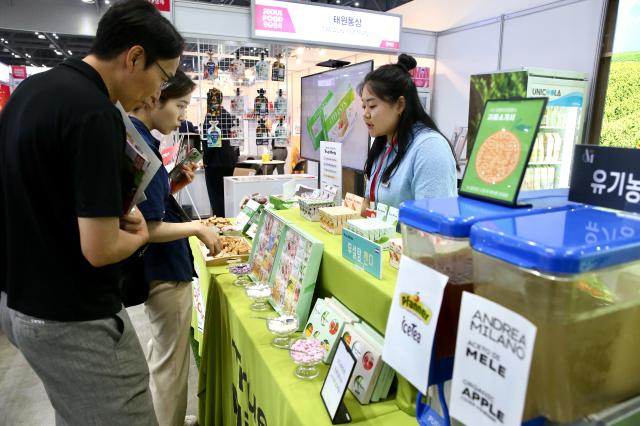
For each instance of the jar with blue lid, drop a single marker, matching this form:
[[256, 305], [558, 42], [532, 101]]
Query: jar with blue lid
[[576, 275], [436, 231]]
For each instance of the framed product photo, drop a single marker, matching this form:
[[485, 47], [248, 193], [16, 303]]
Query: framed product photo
[[295, 274], [265, 247], [502, 148]]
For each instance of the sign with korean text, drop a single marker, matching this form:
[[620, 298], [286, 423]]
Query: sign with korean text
[[502, 149], [493, 356], [19, 72], [331, 166], [413, 316], [363, 253], [606, 176], [310, 23]]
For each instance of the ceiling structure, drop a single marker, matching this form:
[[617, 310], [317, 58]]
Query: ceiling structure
[[40, 49], [49, 49]]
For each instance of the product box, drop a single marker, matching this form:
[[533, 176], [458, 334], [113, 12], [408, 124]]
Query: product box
[[333, 218], [326, 323], [310, 207], [376, 230], [392, 216], [265, 246], [356, 203], [296, 271], [381, 211], [395, 252], [368, 362]]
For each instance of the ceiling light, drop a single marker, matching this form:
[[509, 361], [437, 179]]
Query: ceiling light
[[88, 1], [55, 35], [6, 42], [300, 50], [27, 55], [41, 37], [107, 2], [18, 56], [37, 33], [70, 52], [322, 52], [58, 53], [1, 39], [356, 4], [337, 1]]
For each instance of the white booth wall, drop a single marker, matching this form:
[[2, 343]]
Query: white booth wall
[[563, 35]]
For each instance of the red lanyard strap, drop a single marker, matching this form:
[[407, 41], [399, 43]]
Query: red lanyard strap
[[372, 189]]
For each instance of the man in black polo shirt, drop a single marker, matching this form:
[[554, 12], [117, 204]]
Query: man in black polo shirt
[[62, 225]]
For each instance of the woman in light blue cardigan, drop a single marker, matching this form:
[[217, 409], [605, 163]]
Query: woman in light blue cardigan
[[409, 159]]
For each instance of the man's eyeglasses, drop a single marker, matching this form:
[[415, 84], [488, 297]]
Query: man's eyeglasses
[[167, 82]]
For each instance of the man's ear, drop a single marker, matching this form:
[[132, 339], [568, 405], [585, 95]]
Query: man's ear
[[134, 57]]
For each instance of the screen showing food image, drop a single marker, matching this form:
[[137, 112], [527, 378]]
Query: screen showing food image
[[332, 111]]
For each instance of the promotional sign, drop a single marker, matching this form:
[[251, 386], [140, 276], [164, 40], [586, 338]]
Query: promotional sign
[[5, 92], [363, 253], [331, 166], [420, 76], [604, 176], [413, 316], [502, 149], [492, 361], [19, 72], [307, 23], [336, 382]]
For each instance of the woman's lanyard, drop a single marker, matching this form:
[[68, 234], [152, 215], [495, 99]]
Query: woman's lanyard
[[372, 189]]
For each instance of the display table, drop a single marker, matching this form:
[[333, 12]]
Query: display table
[[244, 380]]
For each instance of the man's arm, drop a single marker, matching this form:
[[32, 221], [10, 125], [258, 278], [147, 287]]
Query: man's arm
[[103, 242], [162, 232]]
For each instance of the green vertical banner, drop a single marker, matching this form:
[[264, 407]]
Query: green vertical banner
[[502, 149]]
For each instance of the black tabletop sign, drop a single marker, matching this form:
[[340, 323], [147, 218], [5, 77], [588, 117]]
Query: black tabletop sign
[[606, 177]]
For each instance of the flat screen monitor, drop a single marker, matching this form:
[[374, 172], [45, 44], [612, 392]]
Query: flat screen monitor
[[332, 111]]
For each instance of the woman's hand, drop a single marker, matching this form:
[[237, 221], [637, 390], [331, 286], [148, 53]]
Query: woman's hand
[[210, 239], [187, 173]]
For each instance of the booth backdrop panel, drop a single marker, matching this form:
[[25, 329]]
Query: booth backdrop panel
[[562, 38], [459, 55], [74, 18]]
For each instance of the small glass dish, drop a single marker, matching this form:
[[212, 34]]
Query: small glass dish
[[307, 354], [241, 271], [282, 328], [259, 293]]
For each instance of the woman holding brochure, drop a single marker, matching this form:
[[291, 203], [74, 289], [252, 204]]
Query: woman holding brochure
[[409, 159], [168, 263]]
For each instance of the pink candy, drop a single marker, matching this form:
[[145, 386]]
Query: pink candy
[[305, 351]]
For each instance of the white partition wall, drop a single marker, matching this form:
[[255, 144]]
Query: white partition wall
[[460, 54], [565, 38], [563, 35]]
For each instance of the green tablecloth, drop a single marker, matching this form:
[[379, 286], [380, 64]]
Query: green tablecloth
[[205, 275], [236, 349]]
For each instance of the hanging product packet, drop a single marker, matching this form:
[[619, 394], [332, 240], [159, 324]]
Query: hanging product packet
[[280, 103], [278, 71], [214, 139], [262, 133], [262, 69], [280, 135], [236, 68], [236, 134], [261, 103], [236, 103]]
